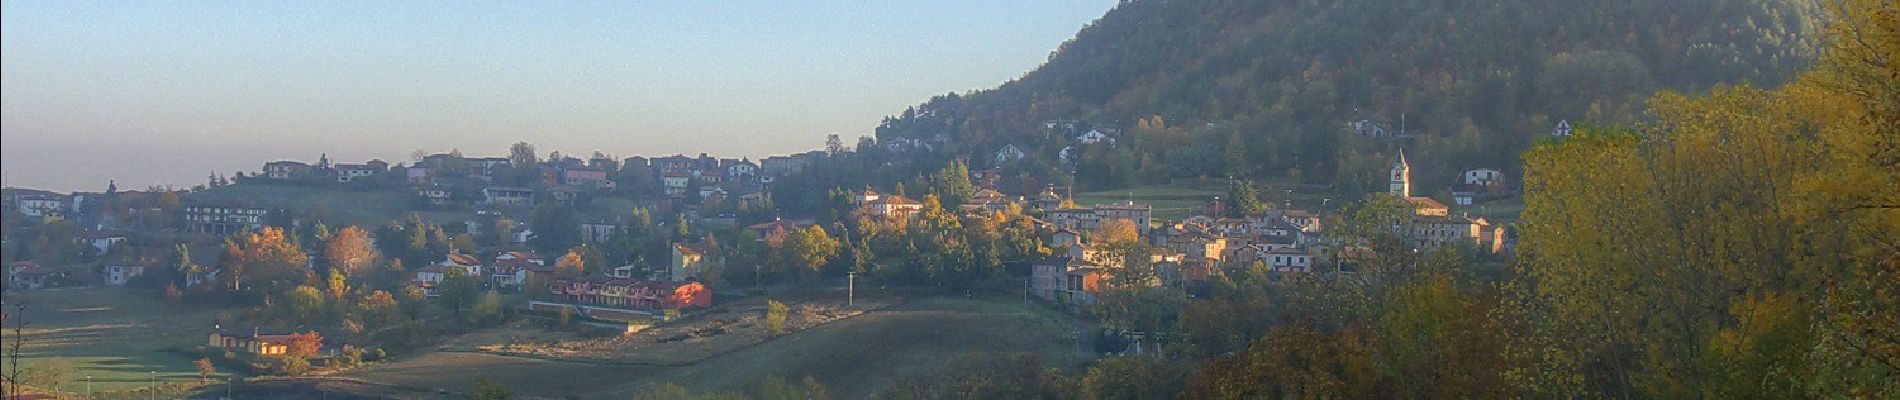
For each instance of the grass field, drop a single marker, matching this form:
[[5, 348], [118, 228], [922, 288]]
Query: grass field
[[1177, 201], [1170, 202], [337, 207], [117, 337], [855, 357]]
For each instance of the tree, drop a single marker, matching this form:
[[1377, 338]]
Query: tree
[[458, 290], [304, 344], [810, 248], [1243, 199], [350, 250], [1117, 231], [556, 228], [269, 258], [205, 369], [378, 309], [833, 145], [953, 183], [1235, 156], [336, 285], [570, 265], [304, 304], [775, 314], [521, 155], [295, 366], [487, 309]]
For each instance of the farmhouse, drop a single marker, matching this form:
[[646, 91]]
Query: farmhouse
[[251, 341], [117, 275], [30, 275]]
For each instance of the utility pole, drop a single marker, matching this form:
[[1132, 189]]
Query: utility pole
[[154, 385], [88, 386], [850, 289]]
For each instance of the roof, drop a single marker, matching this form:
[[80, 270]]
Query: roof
[[462, 259], [681, 247], [248, 332], [36, 269], [518, 263], [1123, 206], [895, 200], [1426, 202], [518, 255], [782, 224]]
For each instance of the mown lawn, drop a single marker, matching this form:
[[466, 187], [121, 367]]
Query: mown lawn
[[854, 357], [117, 337]]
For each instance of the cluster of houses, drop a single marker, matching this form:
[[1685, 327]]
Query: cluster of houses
[[446, 179], [627, 293], [1284, 241], [1011, 153], [32, 275]]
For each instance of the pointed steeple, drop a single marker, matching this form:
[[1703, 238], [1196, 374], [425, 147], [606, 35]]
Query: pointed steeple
[[1401, 180]]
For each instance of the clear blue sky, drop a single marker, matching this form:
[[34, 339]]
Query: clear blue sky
[[165, 92]]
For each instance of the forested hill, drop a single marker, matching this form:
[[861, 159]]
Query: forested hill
[[1475, 81]]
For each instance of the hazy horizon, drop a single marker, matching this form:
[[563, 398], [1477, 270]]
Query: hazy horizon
[[164, 94]]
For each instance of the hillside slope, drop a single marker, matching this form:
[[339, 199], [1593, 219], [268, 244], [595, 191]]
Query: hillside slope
[[1476, 82]]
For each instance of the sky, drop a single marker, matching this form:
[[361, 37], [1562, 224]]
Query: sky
[[166, 93]]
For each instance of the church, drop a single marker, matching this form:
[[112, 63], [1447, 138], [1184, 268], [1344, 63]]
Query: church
[[1432, 224]]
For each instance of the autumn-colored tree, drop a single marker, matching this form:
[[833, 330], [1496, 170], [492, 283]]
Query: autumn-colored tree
[[1117, 231], [570, 265], [810, 248], [377, 309], [267, 258], [775, 314], [205, 369], [1295, 362], [304, 344], [350, 250], [1682, 258]]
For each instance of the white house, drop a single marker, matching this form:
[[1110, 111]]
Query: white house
[[1483, 177], [1093, 136], [508, 196], [428, 278], [466, 262], [1282, 259], [1009, 153], [676, 182], [101, 240], [117, 275], [39, 206], [1563, 129], [742, 169]]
